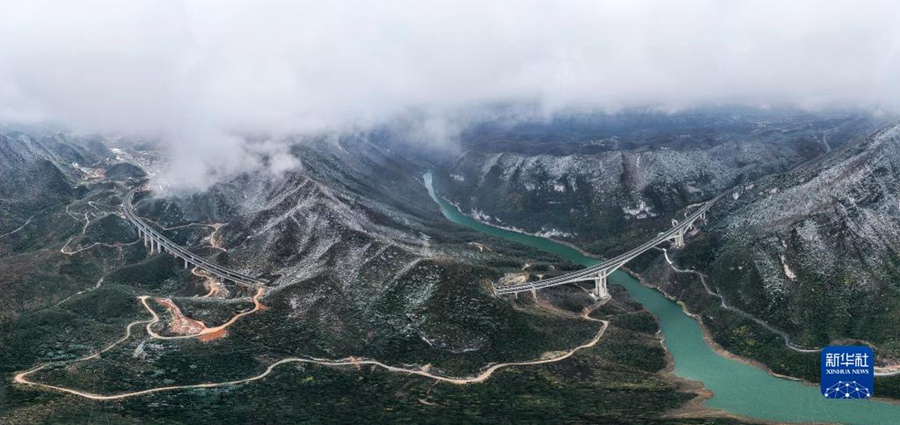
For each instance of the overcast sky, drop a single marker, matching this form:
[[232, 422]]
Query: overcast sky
[[195, 72]]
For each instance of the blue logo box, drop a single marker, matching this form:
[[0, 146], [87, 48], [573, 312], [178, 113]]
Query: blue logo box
[[848, 372]]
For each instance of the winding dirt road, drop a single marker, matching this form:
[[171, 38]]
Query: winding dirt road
[[22, 377], [207, 331], [880, 371]]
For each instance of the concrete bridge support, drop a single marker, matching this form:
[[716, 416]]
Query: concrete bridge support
[[600, 272], [600, 289], [678, 237], [156, 243], [678, 240]]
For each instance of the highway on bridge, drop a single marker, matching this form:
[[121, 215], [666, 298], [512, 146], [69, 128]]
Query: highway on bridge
[[155, 239], [600, 271]]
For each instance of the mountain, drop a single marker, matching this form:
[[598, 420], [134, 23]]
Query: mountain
[[801, 254], [813, 252], [360, 264], [611, 197], [124, 170], [43, 168]]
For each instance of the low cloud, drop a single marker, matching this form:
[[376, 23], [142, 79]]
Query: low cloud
[[198, 75]]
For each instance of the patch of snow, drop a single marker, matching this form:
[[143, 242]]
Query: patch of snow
[[641, 211], [787, 270], [552, 233], [480, 215], [139, 352]]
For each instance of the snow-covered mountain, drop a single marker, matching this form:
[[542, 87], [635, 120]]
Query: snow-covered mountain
[[588, 197], [815, 250], [356, 252], [42, 168]]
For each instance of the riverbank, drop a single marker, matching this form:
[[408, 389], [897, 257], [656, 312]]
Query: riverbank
[[696, 407], [708, 337], [522, 232], [720, 350], [737, 387]]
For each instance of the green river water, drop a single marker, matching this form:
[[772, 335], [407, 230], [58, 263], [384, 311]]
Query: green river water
[[738, 388]]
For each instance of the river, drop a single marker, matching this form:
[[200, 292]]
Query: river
[[738, 388]]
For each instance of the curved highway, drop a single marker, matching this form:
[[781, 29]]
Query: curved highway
[[178, 251], [615, 262]]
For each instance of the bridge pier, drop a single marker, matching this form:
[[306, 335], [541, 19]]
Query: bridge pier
[[600, 289], [678, 237], [600, 272], [157, 244], [678, 241]]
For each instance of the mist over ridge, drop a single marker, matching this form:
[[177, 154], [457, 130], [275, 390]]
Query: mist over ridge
[[200, 76]]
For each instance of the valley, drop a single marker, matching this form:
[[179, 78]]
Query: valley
[[480, 340], [733, 381], [311, 234], [452, 212], [772, 252]]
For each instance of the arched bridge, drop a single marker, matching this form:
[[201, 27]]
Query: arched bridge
[[158, 243], [599, 272]]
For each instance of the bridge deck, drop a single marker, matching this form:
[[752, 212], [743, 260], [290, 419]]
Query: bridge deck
[[181, 252], [613, 263]]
